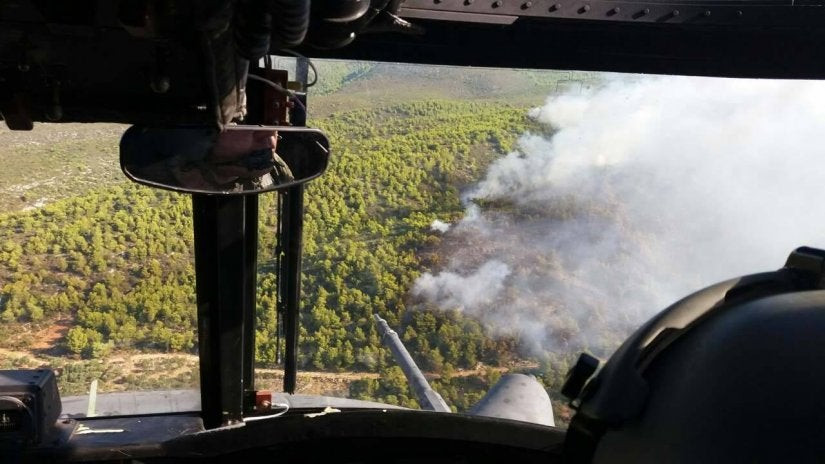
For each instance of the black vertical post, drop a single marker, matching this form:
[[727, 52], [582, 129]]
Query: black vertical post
[[250, 246], [221, 268], [292, 221]]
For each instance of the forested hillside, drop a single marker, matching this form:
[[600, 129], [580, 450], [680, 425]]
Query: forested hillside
[[107, 272], [56, 161], [115, 264]]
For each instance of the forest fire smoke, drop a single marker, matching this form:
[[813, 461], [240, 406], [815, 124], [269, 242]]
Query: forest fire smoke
[[440, 226], [648, 189]]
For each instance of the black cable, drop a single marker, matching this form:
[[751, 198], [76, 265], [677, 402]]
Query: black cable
[[314, 74], [283, 91], [309, 62], [279, 323]]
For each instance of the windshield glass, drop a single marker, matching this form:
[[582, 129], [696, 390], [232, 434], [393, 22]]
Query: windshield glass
[[501, 221]]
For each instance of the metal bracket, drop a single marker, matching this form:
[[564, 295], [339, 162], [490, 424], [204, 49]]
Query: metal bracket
[[674, 12]]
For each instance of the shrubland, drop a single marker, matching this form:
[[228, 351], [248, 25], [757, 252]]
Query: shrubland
[[117, 261], [106, 267]]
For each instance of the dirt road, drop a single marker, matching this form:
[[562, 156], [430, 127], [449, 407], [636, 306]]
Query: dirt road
[[125, 371]]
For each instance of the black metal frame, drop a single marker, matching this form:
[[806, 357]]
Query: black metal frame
[[688, 12], [250, 289], [101, 68], [226, 260], [225, 266], [604, 45], [292, 211], [289, 272]]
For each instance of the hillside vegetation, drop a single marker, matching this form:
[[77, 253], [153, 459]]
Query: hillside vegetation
[[56, 161], [117, 261], [104, 268]]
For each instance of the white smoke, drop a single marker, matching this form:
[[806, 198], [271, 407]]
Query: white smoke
[[646, 191], [440, 226], [452, 290]]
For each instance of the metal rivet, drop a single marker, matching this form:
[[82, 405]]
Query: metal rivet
[[707, 13], [526, 5], [555, 7], [497, 3], [468, 2], [675, 13], [160, 84], [739, 13], [614, 11], [584, 9]]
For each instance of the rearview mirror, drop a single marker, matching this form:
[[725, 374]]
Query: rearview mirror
[[240, 160]]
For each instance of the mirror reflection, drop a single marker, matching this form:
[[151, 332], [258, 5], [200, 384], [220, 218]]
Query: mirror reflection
[[238, 160]]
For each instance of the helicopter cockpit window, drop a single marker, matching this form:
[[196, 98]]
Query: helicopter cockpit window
[[497, 221]]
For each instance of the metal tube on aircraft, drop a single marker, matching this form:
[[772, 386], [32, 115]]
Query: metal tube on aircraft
[[428, 398]]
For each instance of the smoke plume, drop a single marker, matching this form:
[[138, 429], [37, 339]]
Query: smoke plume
[[440, 226], [461, 292], [647, 189]]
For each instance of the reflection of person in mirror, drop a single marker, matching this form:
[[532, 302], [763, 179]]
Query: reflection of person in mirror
[[239, 160]]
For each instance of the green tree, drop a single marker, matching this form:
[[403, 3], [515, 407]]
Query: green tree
[[76, 340]]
